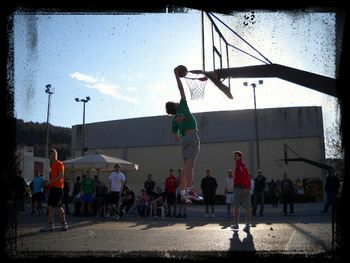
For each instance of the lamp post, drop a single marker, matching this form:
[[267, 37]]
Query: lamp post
[[256, 123], [48, 91], [83, 131]]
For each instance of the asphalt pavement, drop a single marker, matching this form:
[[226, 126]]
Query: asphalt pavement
[[306, 234]]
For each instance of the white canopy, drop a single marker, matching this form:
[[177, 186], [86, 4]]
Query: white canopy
[[99, 162]]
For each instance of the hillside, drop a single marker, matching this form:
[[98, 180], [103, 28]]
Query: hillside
[[34, 134]]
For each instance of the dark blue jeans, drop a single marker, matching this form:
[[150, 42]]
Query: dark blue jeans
[[330, 201], [258, 200], [288, 199]]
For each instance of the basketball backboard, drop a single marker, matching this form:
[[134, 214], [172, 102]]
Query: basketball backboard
[[223, 58]]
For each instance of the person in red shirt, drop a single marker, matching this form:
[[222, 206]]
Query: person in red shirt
[[170, 189], [55, 198], [241, 191]]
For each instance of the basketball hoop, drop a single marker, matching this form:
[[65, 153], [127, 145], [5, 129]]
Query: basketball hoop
[[196, 81]]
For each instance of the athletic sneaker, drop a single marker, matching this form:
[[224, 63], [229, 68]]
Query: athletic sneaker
[[64, 227], [194, 196], [246, 228], [235, 226], [48, 228]]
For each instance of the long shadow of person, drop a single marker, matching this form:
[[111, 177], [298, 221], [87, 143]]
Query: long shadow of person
[[245, 245]]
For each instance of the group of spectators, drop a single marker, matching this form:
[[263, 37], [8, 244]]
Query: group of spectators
[[91, 197], [153, 197]]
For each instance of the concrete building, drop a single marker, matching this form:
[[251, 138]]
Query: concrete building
[[28, 163], [148, 142]]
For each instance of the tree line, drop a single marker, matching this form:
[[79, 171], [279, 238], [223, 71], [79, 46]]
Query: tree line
[[34, 134]]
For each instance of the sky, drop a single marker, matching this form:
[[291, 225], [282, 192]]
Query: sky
[[125, 62]]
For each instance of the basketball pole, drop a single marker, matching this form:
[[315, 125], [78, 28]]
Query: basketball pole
[[203, 47], [49, 92]]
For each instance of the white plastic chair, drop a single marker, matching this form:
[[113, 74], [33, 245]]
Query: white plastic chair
[[161, 208]]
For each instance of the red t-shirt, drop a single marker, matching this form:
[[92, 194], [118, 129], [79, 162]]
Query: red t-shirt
[[170, 184], [241, 178]]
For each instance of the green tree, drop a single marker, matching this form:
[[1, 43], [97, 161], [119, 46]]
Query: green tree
[[34, 134]]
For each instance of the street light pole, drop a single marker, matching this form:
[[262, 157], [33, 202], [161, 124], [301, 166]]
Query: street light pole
[[256, 123], [83, 130], [48, 91]]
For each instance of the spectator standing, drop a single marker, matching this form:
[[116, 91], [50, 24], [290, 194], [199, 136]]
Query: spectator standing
[[228, 192], [56, 185], [241, 191], [208, 186], [259, 193], [149, 186], [287, 194], [20, 191], [37, 193], [98, 202], [87, 185], [331, 188], [170, 189], [116, 185]]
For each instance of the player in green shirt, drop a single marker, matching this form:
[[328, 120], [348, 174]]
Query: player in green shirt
[[184, 128]]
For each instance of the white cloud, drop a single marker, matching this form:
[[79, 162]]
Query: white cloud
[[83, 77], [112, 90], [102, 87]]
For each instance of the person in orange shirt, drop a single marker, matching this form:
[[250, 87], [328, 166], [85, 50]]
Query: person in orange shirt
[[55, 198]]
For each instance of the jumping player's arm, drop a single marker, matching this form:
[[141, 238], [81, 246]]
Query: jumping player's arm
[[179, 85], [178, 120]]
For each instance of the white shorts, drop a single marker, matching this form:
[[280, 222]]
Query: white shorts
[[229, 198]]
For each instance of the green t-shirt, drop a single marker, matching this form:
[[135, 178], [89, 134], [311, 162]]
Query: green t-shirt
[[188, 123], [88, 185]]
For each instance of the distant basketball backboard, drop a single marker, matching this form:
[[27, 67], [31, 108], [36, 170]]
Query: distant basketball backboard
[[298, 158]]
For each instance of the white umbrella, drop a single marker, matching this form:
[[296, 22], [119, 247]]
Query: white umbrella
[[99, 162]]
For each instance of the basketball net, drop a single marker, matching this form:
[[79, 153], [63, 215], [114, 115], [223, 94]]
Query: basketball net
[[196, 84]]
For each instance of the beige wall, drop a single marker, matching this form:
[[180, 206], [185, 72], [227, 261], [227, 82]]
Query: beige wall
[[219, 158]]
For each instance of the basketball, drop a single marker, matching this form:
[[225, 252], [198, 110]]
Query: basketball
[[181, 71]]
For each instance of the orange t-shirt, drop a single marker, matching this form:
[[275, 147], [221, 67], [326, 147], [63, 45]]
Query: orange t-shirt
[[56, 168]]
